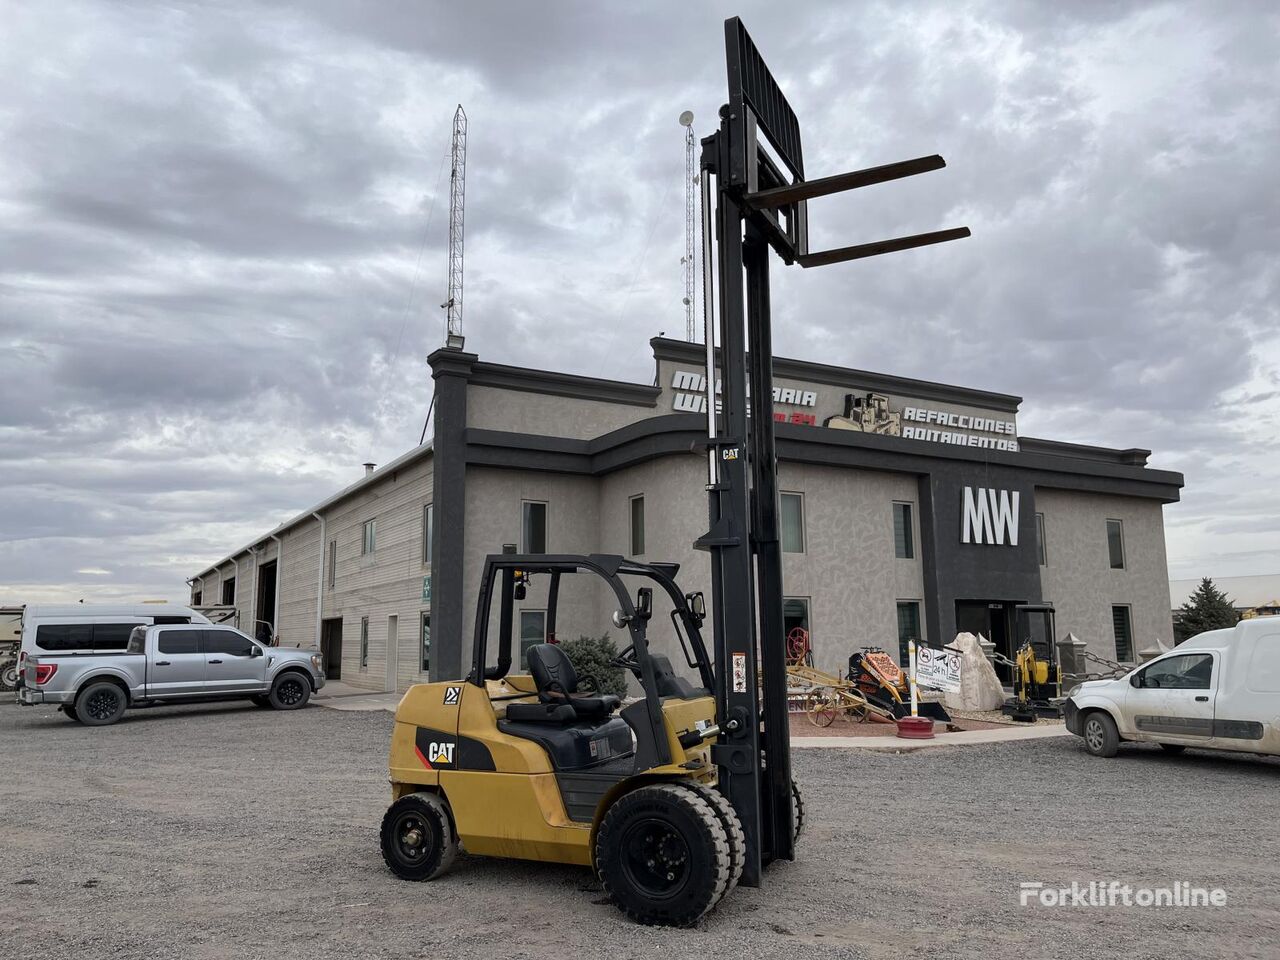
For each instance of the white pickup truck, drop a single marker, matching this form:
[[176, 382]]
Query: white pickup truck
[[1219, 690], [171, 664]]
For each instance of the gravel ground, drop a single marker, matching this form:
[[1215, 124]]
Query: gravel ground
[[230, 831]]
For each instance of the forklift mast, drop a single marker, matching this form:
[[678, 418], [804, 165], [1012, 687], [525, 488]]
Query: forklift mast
[[758, 205]]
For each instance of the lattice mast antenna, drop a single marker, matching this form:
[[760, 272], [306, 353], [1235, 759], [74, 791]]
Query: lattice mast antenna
[[457, 204], [690, 261]]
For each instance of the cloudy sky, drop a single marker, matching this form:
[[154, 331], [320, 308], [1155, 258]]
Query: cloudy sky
[[223, 230]]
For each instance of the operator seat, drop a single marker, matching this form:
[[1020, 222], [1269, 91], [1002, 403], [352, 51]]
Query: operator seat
[[559, 700]]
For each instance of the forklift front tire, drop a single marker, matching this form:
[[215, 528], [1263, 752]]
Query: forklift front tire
[[663, 855], [418, 842], [732, 829]]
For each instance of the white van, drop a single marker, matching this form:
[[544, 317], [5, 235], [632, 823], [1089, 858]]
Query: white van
[[1219, 690], [75, 629]]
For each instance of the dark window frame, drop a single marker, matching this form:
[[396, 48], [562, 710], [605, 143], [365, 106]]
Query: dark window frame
[[526, 531], [796, 496], [428, 531], [364, 643], [903, 639], [1112, 545], [333, 563], [424, 642], [229, 596], [1128, 626], [1041, 544], [369, 537], [904, 530], [637, 544]]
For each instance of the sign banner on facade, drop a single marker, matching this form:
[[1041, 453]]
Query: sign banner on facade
[[938, 669], [426, 589], [990, 516]]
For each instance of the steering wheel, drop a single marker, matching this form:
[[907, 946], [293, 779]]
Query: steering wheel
[[627, 661]]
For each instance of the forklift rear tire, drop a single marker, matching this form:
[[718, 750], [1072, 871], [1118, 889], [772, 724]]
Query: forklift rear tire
[[797, 810], [1100, 735], [418, 842], [732, 829], [663, 855]]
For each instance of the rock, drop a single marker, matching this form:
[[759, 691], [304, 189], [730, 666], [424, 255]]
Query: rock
[[980, 688]]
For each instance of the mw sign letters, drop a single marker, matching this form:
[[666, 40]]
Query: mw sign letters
[[990, 516]]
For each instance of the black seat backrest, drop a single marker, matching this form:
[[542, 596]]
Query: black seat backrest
[[552, 671]]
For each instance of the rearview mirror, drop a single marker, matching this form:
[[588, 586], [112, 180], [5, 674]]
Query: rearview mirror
[[1135, 680], [255, 651], [697, 605]]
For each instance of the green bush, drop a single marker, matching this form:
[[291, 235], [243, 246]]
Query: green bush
[[590, 657]]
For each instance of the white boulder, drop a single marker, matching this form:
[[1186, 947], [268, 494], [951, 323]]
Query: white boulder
[[980, 688]]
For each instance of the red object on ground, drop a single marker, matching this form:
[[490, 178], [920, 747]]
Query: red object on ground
[[915, 728]]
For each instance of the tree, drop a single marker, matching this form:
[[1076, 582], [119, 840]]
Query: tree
[[590, 657], [1208, 608]]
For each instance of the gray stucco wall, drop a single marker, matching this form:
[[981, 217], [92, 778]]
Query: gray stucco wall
[[1079, 581], [493, 408]]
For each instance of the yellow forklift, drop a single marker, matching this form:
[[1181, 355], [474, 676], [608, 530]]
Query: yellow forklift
[[674, 798]]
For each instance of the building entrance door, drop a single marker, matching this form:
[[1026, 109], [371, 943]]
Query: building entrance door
[[992, 619], [331, 648]]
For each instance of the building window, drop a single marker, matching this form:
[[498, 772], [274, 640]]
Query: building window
[[792, 517], [1044, 552], [533, 630], [533, 527], [428, 531], [795, 627], [637, 526], [425, 635], [1115, 543], [1122, 624], [370, 538], [364, 643], [333, 563], [908, 628], [198, 598], [229, 591], [904, 545]]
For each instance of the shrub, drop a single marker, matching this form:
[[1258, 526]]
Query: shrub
[[591, 656]]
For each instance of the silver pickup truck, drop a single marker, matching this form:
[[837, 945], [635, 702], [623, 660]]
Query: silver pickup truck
[[172, 664]]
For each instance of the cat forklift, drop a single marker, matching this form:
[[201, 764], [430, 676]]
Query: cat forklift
[[679, 796]]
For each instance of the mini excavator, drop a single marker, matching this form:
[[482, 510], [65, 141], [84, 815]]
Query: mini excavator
[[1037, 674], [680, 795]]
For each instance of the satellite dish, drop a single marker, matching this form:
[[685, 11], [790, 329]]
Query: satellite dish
[[686, 118]]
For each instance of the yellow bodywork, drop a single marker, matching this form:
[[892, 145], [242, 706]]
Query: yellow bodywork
[[502, 790]]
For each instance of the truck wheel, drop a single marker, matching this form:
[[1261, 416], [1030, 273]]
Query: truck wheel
[[100, 703], [732, 829], [663, 855], [1100, 735], [291, 691], [418, 842], [9, 675], [797, 811]]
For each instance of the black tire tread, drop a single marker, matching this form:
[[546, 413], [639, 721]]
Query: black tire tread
[[797, 810], [88, 688], [732, 827], [432, 804], [710, 820]]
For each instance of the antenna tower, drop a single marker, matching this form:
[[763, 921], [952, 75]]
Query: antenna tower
[[457, 202]]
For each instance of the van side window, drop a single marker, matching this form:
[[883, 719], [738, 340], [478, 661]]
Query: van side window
[[179, 641], [159, 620], [111, 636], [64, 636], [1191, 671]]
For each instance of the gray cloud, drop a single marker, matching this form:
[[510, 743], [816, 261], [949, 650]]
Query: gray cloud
[[222, 239]]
